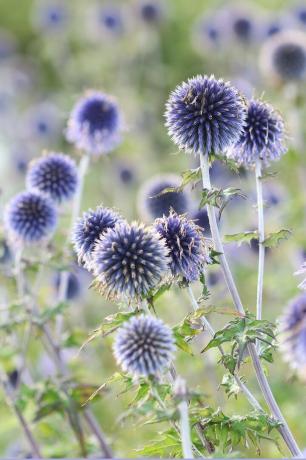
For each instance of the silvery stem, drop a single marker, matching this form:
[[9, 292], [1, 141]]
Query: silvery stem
[[261, 238], [261, 378], [250, 397], [184, 420]]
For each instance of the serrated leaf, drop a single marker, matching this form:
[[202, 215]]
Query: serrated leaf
[[244, 237], [51, 313], [189, 176], [273, 239]]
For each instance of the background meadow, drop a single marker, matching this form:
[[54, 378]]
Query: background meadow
[[46, 64]]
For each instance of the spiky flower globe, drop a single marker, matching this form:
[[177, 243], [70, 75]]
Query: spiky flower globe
[[293, 334], [30, 218], [89, 228], [95, 123], [129, 261], [152, 203], [54, 175], [205, 115], [144, 346], [263, 137], [185, 243], [283, 57]]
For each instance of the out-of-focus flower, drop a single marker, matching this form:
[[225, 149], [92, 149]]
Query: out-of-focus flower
[[95, 123], [150, 11], [54, 175], [30, 218], [89, 229], [129, 261], [153, 203], [74, 287], [110, 19], [200, 218], [185, 243], [42, 124], [205, 115], [144, 346], [50, 16], [263, 136], [283, 56], [293, 334]]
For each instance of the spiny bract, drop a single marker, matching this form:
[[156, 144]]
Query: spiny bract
[[129, 261], [144, 346], [54, 175], [263, 137], [205, 115], [30, 217], [185, 243], [95, 123], [89, 228]]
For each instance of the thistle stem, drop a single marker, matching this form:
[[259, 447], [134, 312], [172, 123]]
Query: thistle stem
[[261, 378], [185, 423], [250, 397], [24, 424], [261, 238]]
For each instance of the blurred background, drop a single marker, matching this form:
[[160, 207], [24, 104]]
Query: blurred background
[[138, 51]]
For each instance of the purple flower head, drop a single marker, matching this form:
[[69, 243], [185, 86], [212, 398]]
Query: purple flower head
[[110, 19], [42, 123], [150, 11], [185, 243], [30, 218], [129, 261], [95, 123], [89, 228], [74, 287], [144, 346], [153, 203], [205, 115], [51, 16], [283, 56], [54, 175], [263, 137], [293, 334]]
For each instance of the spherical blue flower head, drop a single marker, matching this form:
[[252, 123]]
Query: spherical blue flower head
[[284, 56], [144, 346], [185, 243], [110, 18], [126, 174], [150, 11], [42, 123], [301, 15], [73, 290], [129, 261], [205, 115], [153, 203], [95, 124], [89, 228], [51, 16], [54, 175], [30, 217], [293, 337], [262, 138], [243, 28]]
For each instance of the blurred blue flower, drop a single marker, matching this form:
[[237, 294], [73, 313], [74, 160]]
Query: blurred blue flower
[[110, 19], [152, 203], [95, 123], [243, 28], [205, 115], [200, 218], [126, 174], [74, 287], [54, 175], [51, 15], [144, 346], [42, 123], [283, 56], [185, 243], [129, 261], [30, 218], [263, 137], [150, 11], [89, 228]]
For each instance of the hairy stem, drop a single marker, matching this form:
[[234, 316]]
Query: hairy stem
[[9, 393], [185, 429], [261, 238], [261, 378], [250, 397]]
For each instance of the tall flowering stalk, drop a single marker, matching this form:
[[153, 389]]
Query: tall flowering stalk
[[205, 115]]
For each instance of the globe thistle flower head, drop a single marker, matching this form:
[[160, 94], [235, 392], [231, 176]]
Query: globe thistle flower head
[[129, 261], [150, 11], [54, 175], [153, 203], [30, 218], [95, 123], [110, 19], [51, 16], [293, 334], [243, 28], [42, 123], [186, 246], [300, 14], [144, 346], [89, 228], [204, 115], [283, 56], [262, 138], [126, 174], [73, 290]]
